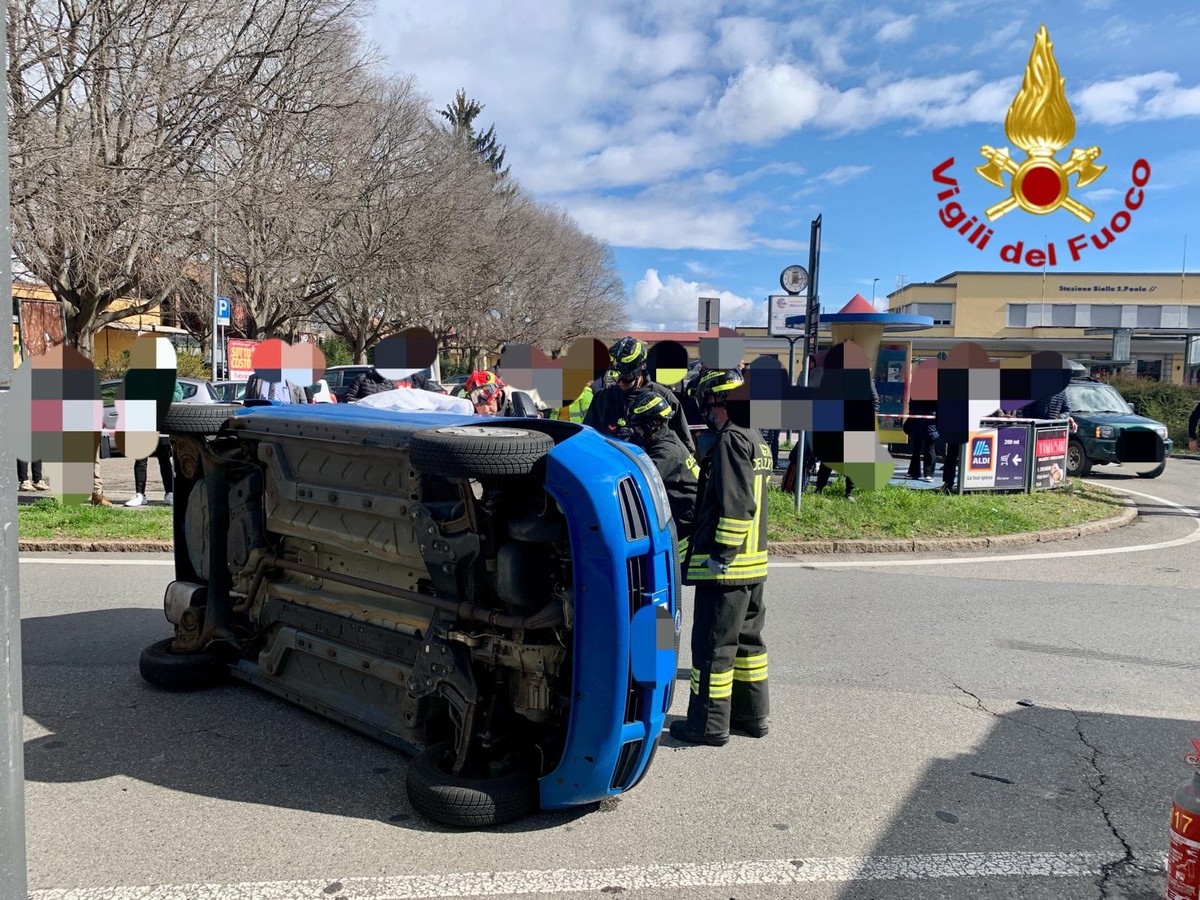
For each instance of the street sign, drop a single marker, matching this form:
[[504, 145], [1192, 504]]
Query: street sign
[[782, 307], [709, 313], [223, 311]]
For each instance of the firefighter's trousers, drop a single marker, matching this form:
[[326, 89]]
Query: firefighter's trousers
[[729, 658]]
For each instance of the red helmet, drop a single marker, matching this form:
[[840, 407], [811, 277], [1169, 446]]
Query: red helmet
[[482, 379]]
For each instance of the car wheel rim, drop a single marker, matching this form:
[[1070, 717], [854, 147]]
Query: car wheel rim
[[484, 431]]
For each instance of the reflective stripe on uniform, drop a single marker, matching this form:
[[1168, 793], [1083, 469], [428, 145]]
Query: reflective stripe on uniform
[[732, 531], [750, 668], [720, 684]]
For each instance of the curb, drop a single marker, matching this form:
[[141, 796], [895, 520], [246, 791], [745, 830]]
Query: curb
[[919, 545], [75, 545], [777, 548]]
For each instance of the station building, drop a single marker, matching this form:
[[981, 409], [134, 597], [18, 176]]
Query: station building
[[1146, 323]]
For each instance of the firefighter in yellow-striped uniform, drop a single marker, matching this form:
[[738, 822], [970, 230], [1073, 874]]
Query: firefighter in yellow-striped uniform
[[647, 421], [727, 562]]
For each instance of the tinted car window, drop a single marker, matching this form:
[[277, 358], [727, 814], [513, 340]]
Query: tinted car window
[[189, 390]]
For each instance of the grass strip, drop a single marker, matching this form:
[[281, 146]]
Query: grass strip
[[899, 512], [50, 519]]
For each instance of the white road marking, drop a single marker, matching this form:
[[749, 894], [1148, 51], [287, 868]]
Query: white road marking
[[630, 878], [858, 563]]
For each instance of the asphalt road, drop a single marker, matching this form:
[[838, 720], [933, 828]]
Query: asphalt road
[[900, 763]]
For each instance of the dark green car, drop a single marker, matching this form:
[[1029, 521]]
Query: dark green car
[[1101, 415]]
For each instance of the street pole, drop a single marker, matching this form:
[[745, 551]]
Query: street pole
[[13, 884], [214, 275], [810, 338]]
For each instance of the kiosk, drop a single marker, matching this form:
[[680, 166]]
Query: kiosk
[[860, 322]]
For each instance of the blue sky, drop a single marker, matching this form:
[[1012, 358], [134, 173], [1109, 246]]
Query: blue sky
[[700, 138]]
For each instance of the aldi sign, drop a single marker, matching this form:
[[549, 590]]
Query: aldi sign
[[980, 469]]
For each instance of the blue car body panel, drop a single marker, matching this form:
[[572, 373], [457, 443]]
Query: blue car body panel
[[625, 614]]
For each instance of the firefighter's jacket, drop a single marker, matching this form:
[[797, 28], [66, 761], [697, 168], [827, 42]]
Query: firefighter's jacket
[[731, 509], [612, 403], [577, 410], [680, 475]]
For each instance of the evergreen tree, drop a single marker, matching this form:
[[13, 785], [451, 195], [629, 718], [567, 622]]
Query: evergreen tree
[[461, 115]]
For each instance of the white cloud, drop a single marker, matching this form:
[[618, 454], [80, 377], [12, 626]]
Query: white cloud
[[840, 175], [933, 102], [1101, 195], [1153, 95], [666, 222], [897, 30], [669, 304], [767, 102], [745, 40], [1013, 34]]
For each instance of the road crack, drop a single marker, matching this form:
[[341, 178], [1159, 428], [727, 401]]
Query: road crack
[[1128, 862]]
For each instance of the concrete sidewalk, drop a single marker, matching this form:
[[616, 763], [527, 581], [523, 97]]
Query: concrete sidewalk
[[117, 473]]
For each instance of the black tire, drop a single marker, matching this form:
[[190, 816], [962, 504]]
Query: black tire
[[474, 451], [468, 802], [199, 418], [1154, 473], [172, 671], [1078, 465]]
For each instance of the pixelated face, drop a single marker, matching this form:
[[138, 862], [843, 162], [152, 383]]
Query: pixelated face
[[400, 356], [278, 361], [486, 400]]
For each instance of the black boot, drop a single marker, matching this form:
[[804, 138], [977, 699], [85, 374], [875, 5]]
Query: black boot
[[682, 731], [755, 728]]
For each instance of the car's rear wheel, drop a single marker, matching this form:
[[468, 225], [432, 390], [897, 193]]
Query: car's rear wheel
[[198, 418], [454, 800], [171, 671], [1078, 465], [1154, 473], [474, 451]]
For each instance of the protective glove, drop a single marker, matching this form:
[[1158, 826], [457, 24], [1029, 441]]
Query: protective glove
[[716, 566]]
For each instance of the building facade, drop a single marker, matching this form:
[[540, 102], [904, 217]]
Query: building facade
[[1146, 323]]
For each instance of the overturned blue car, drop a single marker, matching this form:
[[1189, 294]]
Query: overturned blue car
[[499, 600]]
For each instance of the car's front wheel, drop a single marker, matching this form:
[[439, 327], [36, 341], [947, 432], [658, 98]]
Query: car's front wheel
[[441, 796], [1078, 465]]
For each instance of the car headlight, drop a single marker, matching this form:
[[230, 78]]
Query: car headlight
[[1104, 431], [662, 503], [1162, 431]]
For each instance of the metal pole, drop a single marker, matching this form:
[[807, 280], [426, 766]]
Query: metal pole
[[214, 276], [13, 883], [814, 264]]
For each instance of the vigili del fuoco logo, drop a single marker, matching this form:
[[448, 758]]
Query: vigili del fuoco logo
[[1040, 124]]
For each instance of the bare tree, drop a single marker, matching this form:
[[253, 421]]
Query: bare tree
[[115, 108]]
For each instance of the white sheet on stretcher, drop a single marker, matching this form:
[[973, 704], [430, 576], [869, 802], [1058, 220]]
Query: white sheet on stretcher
[[412, 399]]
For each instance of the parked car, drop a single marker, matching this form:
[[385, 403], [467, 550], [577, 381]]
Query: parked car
[[230, 391], [341, 378], [500, 600], [195, 390], [1102, 416]]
